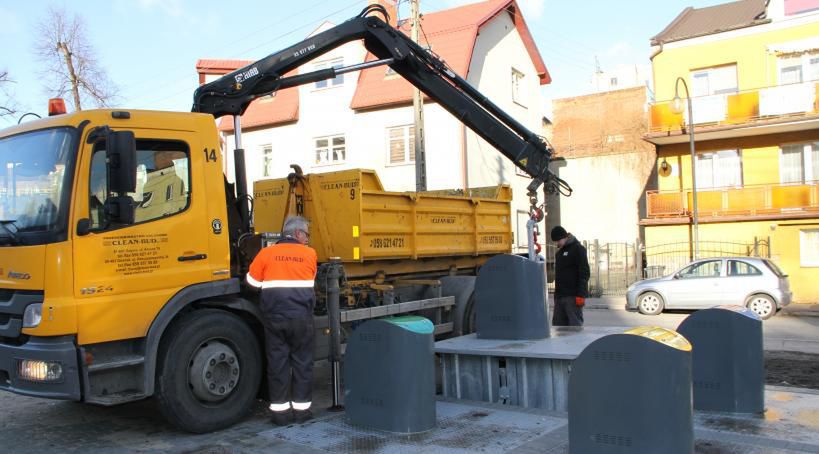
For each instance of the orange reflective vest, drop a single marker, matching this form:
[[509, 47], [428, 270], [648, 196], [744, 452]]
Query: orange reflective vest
[[286, 274]]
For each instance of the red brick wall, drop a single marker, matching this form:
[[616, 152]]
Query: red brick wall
[[601, 123]]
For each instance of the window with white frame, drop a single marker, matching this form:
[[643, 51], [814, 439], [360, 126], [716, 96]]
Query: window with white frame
[[401, 144], [518, 91], [719, 169], [714, 81], [330, 149], [267, 160], [795, 69], [809, 247], [327, 83], [799, 163]]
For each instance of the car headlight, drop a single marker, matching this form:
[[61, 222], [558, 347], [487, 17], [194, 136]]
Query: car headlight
[[33, 315]]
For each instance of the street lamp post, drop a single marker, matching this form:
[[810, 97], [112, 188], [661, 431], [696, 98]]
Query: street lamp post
[[677, 107]]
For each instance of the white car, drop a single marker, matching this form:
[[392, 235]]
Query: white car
[[753, 282]]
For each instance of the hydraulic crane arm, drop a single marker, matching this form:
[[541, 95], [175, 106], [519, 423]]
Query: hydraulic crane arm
[[232, 93]]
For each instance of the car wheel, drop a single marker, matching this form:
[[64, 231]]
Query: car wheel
[[650, 303], [762, 305]]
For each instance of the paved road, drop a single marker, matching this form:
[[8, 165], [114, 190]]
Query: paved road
[[35, 425], [800, 334]]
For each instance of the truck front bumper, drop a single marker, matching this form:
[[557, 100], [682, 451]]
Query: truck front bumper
[[60, 351]]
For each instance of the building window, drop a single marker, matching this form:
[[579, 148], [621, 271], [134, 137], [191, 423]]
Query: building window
[[327, 83], [714, 81], [809, 247], [267, 160], [402, 144], [330, 150], [799, 163], [719, 169], [799, 68], [518, 91], [613, 82]]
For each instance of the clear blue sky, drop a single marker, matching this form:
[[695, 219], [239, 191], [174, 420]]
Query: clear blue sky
[[149, 48]]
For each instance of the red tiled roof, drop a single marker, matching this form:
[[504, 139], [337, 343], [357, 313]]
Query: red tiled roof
[[217, 66], [281, 108], [451, 34]]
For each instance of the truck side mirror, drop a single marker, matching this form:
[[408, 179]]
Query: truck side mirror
[[120, 154]]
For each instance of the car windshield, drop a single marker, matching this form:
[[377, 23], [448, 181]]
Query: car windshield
[[33, 169]]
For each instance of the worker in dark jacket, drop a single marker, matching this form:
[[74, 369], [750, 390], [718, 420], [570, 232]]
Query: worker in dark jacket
[[285, 272], [571, 279]]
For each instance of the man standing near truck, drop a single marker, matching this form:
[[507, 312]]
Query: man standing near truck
[[571, 279], [285, 272]]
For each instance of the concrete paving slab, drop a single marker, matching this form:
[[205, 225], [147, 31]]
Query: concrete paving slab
[[790, 425], [566, 342], [461, 428]]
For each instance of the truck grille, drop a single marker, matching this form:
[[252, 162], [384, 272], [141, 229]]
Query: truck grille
[[12, 305]]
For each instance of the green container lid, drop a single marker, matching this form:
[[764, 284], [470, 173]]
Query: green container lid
[[412, 323]]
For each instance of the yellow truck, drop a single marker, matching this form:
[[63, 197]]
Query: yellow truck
[[123, 249]]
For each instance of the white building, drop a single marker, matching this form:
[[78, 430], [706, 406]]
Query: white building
[[364, 120]]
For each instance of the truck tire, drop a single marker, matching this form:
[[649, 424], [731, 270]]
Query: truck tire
[[208, 371]]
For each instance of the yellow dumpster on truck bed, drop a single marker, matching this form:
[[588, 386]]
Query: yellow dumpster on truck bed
[[372, 230]]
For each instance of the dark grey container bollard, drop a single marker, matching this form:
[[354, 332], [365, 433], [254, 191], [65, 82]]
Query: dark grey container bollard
[[631, 393], [389, 375], [728, 368], [510, 299]]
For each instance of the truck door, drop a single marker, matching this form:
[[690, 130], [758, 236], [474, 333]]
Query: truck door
[[126, 273]]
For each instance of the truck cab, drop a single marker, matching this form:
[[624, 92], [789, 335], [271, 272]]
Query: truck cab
[[80, 290]]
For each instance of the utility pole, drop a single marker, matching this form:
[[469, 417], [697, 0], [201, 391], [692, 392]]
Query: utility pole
[[418, 108]]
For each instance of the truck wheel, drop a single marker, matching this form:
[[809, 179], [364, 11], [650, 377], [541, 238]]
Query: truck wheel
[[468, 325], [209, 371]]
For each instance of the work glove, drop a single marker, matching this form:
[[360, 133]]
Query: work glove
[[580, 301]]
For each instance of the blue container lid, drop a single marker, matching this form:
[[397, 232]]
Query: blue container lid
[[412, 323]]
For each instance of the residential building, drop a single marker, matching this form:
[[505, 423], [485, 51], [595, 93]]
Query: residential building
[[599, 138], [620, 77], [365, 120], [752, 71]]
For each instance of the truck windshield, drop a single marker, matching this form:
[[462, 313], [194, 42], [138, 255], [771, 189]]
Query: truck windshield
[[33, 169]]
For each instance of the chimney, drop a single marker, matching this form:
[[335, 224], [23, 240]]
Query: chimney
[[392, 9]]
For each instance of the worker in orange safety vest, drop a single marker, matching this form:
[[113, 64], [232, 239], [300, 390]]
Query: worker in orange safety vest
[[286, 272]]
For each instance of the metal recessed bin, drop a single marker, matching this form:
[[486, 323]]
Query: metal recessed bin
[[728, 364], [631, 393], [389, 375], [510, 299]]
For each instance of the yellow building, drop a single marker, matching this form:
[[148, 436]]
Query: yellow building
[[752, 71]]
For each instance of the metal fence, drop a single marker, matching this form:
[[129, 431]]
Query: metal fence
[[613, 266], [664, 259]]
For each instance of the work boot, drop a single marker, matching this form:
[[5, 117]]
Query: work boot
[[281, 418], [302, 416]]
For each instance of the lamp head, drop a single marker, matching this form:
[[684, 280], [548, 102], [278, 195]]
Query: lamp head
[[677, 105]]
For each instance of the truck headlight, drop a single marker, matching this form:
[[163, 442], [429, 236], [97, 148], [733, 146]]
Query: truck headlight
[[33, 315], [42, 371]]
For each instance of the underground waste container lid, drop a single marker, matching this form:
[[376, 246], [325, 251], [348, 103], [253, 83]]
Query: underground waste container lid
[[664, 336], [412, 323]]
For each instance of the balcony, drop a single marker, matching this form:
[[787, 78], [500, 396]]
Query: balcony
[[762, 107], [759, 201]]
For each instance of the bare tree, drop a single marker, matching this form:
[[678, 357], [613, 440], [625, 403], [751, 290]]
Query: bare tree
[[64, 46], [7, 105]]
